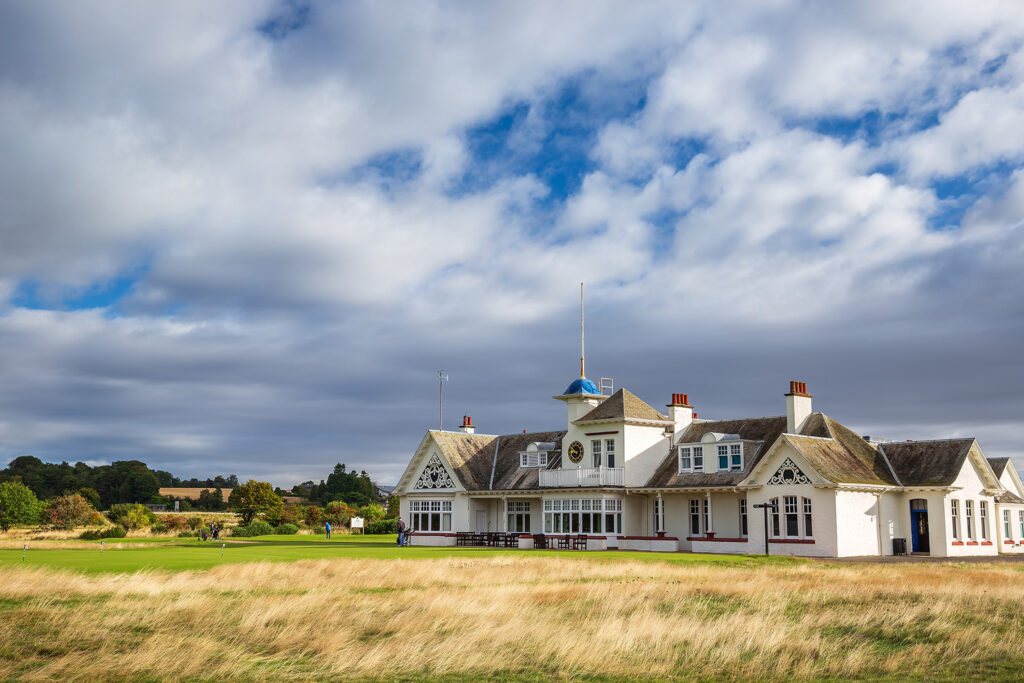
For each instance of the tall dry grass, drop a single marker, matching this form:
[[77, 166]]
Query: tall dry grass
[[515, 616]]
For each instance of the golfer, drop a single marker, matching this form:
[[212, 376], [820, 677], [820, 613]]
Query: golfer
[[327, 528], [401, 531]]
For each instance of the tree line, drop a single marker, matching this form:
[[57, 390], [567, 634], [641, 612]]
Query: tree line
[[132, 481]]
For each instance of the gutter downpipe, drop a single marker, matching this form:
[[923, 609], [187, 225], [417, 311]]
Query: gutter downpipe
[[494, 463]]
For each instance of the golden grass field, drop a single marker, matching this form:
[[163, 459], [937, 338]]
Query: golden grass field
[[509, 616]]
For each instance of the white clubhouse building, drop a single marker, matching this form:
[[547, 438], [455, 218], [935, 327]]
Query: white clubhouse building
[[630, 477]]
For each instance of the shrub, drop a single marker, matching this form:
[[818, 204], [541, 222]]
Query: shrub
[[67, 512], [291, 514], [194, 523], [314, 516], [18, 505], [160, 528], [131, 515], [188, 534], [286, 529], [109, 532], [338, 512], [175, 522], [257, 528], [382, 526]]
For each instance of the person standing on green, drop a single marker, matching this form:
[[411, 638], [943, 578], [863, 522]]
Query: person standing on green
[[327, 527]]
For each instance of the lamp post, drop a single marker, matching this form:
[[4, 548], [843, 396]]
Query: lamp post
[[774, 507]]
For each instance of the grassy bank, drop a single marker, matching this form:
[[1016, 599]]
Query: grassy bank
[[516, 615]]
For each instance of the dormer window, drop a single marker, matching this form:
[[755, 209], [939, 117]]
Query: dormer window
[[691, 458], [534, 459], [730, 457]]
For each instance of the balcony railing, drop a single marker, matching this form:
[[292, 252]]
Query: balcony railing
[[582, 476]]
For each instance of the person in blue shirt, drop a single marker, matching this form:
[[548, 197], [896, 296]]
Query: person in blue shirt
[[327, 527]]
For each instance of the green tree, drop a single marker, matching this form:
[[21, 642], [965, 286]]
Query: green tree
[[372, 512], [67, 512], [91, 495], [393, 508], [18, 505], [253, 499]]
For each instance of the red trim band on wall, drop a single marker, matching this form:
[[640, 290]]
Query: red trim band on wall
[[986, 542], [972, 543], [717, 540], [791, 540], [957, 543]]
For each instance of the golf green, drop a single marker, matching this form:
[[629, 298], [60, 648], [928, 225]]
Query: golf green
[[190, 554]]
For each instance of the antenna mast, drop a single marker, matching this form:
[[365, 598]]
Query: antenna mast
[[582, 354], [441, 379]]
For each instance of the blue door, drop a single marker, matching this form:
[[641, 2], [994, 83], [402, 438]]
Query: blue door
[[919, 526]]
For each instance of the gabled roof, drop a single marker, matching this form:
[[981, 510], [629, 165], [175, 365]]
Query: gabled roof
[[757, 433], [928, 463], [998, 465], [833, 450], [486, 462], [623, 405], [1009, 497], [839, 454]]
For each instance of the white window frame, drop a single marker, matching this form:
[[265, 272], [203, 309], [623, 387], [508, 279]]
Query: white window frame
[[695, 517], [698, 454], [517, 511], [954, 514], [983, 518], [807, 515], [529, 460], [659, 513], [969, 519], [791, 506], [735, 450], [744, 521], [775, 519], [1007, 526], [722, 451], [1020, 519], [430, 515], [609, 452], [595, 452], [687, 465]]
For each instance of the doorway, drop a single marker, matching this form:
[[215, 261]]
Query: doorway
[[481, 521], [919, 526]]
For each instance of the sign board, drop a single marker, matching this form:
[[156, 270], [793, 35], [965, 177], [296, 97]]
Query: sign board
[[176, 505], [356, 523]]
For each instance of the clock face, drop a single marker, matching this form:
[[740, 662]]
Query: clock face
[[575, 451]]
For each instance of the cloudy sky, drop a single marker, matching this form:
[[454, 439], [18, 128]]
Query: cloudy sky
[[243, 237]]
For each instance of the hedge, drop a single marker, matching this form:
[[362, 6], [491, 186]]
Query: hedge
[[382, 526], [109, 532]]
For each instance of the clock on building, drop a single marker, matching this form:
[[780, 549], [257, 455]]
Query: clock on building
[[575, 451]]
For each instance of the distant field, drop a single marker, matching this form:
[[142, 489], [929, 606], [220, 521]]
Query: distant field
[[493, 614]]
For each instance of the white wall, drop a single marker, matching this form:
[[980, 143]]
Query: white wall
[[823, 506], [856, 523], [970, 487], [1016, 544], [645, 449]]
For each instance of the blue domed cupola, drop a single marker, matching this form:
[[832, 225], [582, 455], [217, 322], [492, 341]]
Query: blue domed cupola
[[582, 386]]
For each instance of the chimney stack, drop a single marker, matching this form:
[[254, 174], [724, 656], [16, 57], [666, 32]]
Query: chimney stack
[[798, 406], [467, 425], [680, 412]]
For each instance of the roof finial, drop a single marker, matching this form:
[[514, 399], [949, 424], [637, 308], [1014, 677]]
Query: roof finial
[[582, 354]]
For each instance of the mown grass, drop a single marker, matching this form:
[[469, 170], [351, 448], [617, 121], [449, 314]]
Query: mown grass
[[176, 554], [516, 616]]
